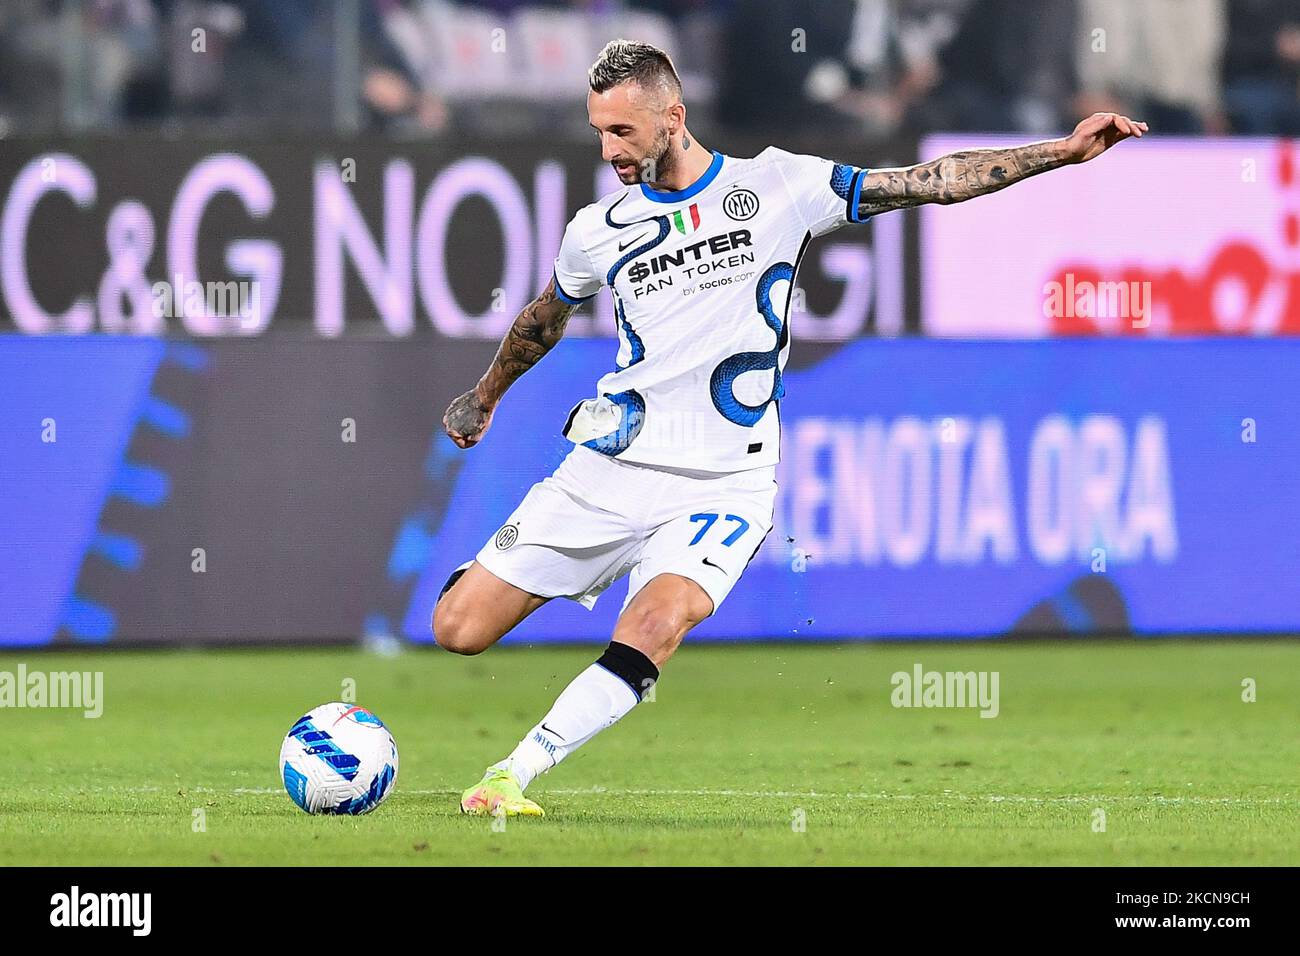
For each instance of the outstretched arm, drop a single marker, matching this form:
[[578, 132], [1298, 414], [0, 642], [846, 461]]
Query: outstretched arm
[[974, 172], [534, 332]]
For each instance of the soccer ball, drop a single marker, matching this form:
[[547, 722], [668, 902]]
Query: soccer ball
[[339, 758]]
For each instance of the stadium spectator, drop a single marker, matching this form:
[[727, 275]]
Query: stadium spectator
[[788, 40], [1158, 59], [395, 91], [837, 66], [29, 65], [869, 68], [1261, 67], [893, 55], [118, 59], [1004, 70]]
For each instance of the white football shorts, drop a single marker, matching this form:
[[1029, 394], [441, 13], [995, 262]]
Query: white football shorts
[[596, 519]]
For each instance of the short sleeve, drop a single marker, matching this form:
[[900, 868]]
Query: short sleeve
[[826, 192], [576, 279]]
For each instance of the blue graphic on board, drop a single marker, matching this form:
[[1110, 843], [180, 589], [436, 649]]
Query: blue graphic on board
[[88, 402], [71, 406], [933, 488]]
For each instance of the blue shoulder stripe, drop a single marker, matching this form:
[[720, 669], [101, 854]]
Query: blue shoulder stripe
[[855, 195]]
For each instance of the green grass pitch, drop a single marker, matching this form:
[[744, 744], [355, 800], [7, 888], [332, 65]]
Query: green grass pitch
[[739, 745]]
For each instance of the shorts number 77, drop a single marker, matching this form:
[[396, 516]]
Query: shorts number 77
[[709, 517]]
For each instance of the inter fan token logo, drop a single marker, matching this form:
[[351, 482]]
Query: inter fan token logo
[[740, 205], [506, 537]]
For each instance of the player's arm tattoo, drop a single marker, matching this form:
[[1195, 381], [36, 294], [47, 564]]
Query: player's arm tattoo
[[957, 177], [534, 332]]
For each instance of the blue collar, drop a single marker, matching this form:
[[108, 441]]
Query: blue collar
[[710, 174]]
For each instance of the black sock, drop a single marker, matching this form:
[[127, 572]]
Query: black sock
[[634, 668]]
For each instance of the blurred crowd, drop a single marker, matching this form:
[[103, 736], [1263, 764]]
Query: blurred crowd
[[437, 67]]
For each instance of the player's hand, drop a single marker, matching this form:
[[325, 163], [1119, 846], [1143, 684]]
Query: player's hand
[[1098, 133], [467, 419]]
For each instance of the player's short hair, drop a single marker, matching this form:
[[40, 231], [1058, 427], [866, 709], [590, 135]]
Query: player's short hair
[[625, 61]]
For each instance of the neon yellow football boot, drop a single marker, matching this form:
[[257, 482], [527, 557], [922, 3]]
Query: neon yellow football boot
[[498, 793]]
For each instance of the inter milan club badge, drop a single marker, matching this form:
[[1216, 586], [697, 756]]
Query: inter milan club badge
[[740, 204], [506, 537]]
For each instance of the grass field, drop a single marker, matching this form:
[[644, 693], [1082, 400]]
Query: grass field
[[739, 743]]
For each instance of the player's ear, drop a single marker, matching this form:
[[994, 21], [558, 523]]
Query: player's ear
[[677, 117]]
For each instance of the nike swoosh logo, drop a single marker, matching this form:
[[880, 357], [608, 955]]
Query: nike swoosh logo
[[718, 566], [624, 245], [549, 730]]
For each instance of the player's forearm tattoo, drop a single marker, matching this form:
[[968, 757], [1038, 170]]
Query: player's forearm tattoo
[[535, 331], [956, 177]]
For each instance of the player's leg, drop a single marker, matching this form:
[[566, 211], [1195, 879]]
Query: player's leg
[[660, 614], [600, 696], [694, 559], [687, 567], [556, 543], [570, 537], [477, 608]]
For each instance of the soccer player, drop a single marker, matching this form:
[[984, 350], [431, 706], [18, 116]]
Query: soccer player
[[672, 475]]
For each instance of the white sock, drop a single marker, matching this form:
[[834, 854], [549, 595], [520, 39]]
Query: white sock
[[596, 699]]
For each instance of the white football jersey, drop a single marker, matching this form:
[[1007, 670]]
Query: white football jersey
[[701, 280]]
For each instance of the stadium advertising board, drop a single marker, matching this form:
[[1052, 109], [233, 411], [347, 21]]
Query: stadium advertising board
[[154, 236], [1168, 238], [296, 488]]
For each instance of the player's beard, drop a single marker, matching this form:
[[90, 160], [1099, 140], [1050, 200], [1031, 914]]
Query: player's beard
[[660, 160]]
